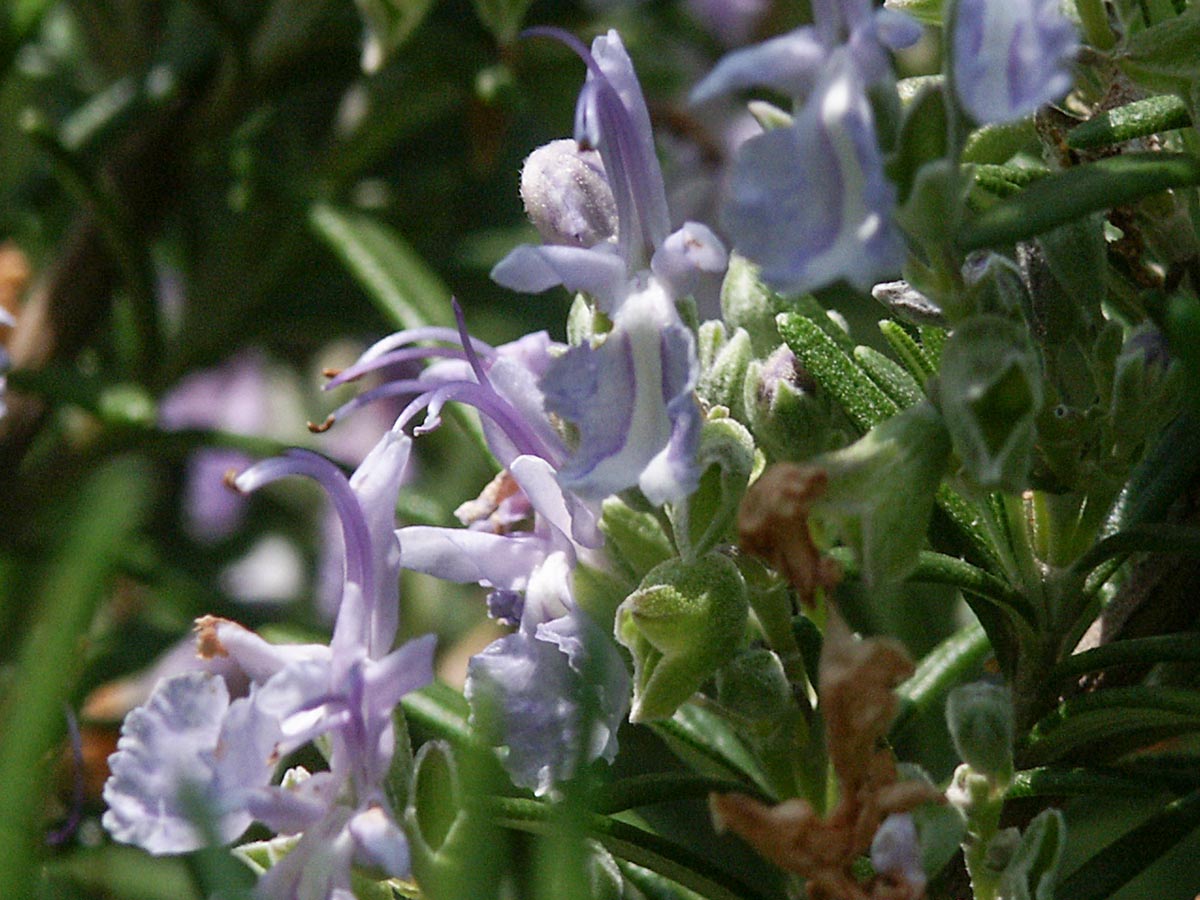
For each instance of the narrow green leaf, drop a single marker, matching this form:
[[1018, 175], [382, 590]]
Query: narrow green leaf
[[1062, 781], [1163, 56], [109, 508], [1141, 539], [911, 354], [891, 377], [937, 568], [405, 290], [947, 665], [1133, 852], [1145, 651], [440, 710], [836, 372], [1141, 118], [707, 742], [1068, 195], [635, 845], [659, 787], [1111, 722], [1005, 181]]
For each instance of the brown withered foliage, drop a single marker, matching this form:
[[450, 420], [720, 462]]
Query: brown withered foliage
[[857, 702], [773, 525]]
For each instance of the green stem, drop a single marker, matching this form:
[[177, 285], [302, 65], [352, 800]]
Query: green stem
[[1094, 19]]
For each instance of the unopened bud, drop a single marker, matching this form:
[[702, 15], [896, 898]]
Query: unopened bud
[[567, 196]]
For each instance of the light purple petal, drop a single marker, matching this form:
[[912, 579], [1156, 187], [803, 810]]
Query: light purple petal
[[597, 271], [548, 595], [379, 842], [624, 398], [525, 694], [257, 658], [566, 513], [691, 263], [406, 669], [895, 850], [176, 761], [636, 148], [1011, 56], [472, 557], [376, 484], [596, 659], [789, 64], [292, 809], [810, 203], [317, 867]]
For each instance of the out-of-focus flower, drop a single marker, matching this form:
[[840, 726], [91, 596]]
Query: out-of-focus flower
[[732, 22], [792, 63], [193, 765], [232, 397], [810, 203], [553, 692], [1011, 56]]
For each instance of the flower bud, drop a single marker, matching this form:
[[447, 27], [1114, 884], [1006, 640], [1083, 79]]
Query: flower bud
[[683, 623], [724, 357], [567, 195], [1146, 390], [749, 304], [635, 541], [880, 492], [788, 418], [991, 393], [1032, 870], [754, 685], [981, 726]]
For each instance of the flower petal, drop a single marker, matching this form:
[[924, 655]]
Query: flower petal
[[1011, 56]]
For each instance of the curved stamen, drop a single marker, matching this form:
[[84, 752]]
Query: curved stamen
[[472, 357], [354, 524], [486, 401], [392, 357]]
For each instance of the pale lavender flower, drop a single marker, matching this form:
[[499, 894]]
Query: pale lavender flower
[[732, 22], [525, 535], [232, 397], [1011, 56], [611, 118], [632, 400], [194, 765], [793, 63], [553, 693], [810, 203], [630, 391], [896, 852]]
